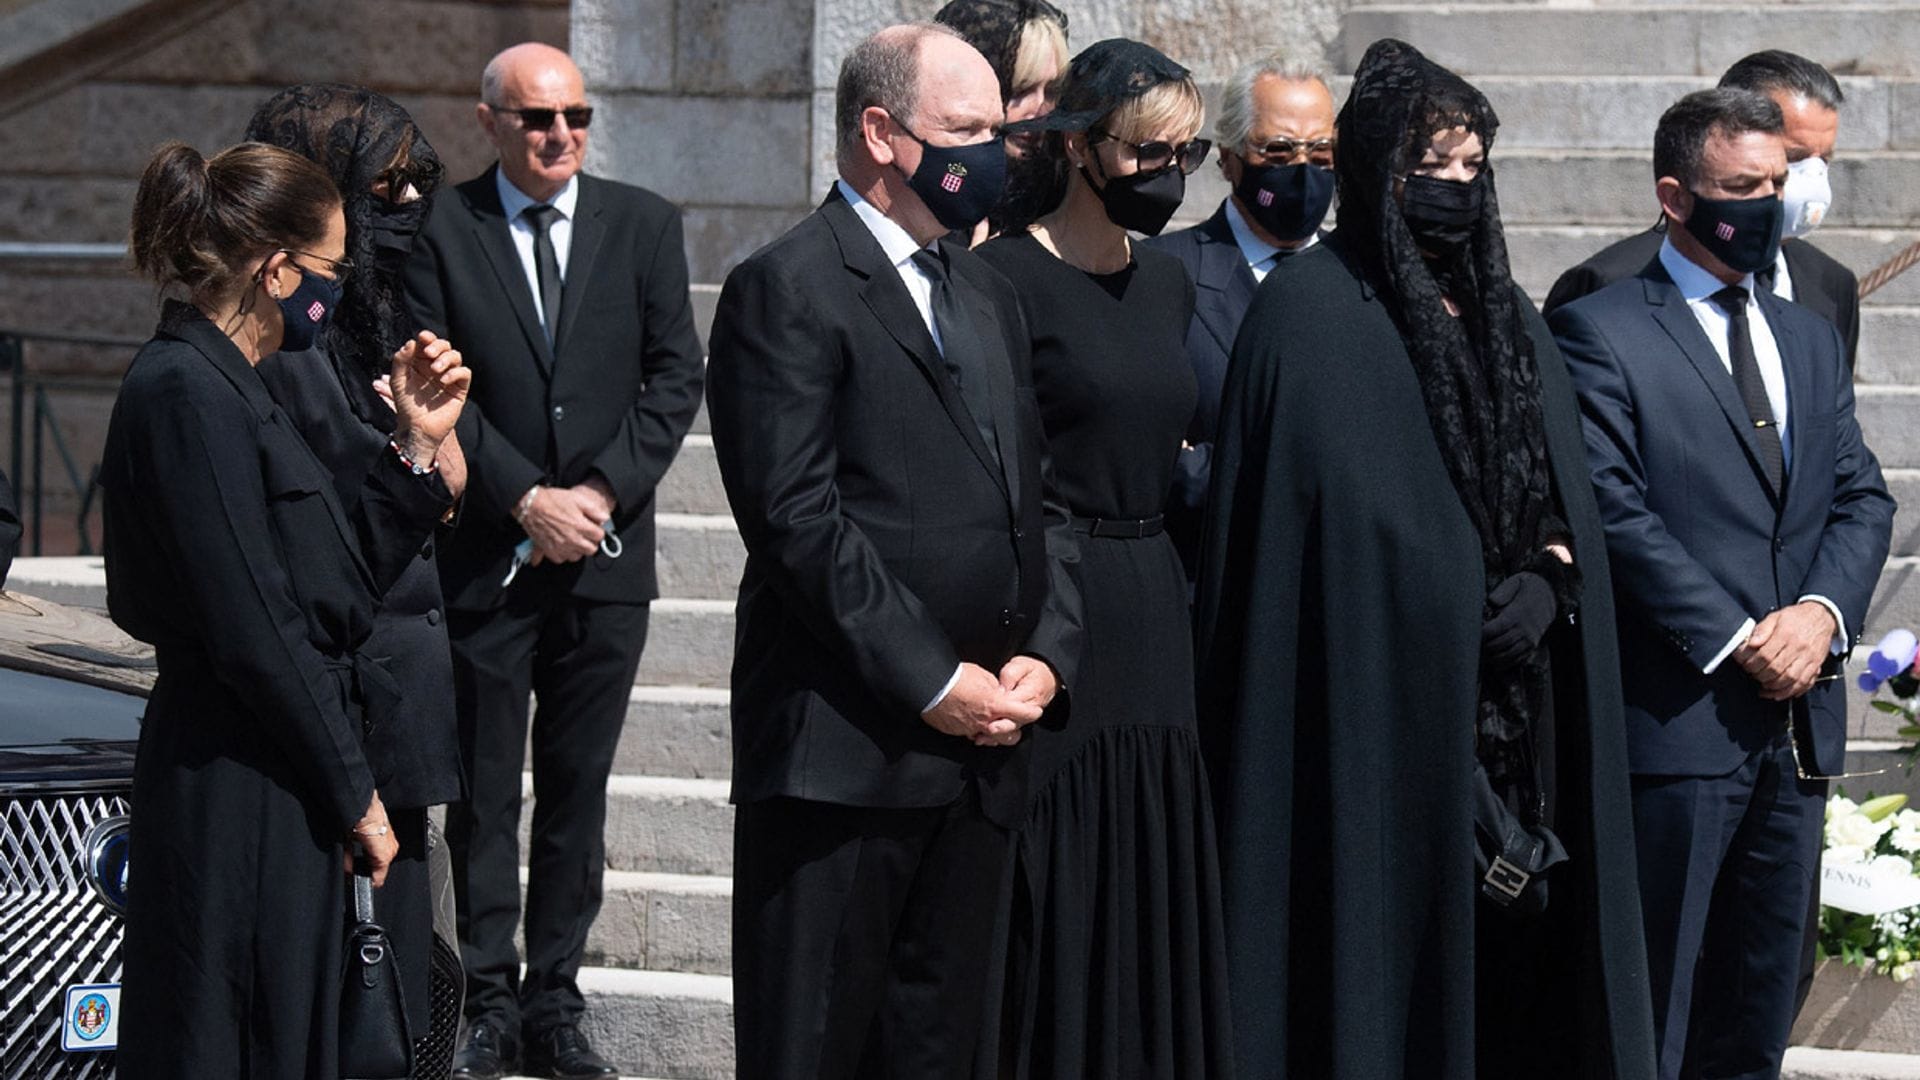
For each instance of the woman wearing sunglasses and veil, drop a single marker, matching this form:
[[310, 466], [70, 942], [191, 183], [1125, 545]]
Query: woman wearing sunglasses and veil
[[1116, 961]]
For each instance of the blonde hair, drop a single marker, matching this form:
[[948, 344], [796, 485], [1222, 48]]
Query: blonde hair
[[1043, 42], [1174, 105]]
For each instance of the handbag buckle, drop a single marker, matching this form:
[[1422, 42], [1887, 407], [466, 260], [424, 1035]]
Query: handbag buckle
[[1507, 878]]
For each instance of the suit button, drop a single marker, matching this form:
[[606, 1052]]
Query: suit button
[[426, 550], [1006, 617], [559, 413], [433, 617], [1779, 544], [1019, 534]]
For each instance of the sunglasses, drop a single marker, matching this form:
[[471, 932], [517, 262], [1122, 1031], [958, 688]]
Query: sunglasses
[[1157, 155], [577, 116], [339, 268], [1292, 151]]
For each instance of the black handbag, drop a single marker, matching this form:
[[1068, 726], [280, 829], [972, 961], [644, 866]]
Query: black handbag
[[1511, 854], [375, 1043]]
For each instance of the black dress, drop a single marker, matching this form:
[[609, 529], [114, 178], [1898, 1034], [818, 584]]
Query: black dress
[[227, 549], [1118, 963]]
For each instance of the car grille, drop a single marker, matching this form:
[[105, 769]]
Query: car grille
[[55, 931]]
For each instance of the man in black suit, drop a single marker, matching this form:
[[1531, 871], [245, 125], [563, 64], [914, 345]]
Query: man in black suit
[[1276, 149], [588, 375], [9, 529], [1747, 524], [1809, 100], [907, 607]]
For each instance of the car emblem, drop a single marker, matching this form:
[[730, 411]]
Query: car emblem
[[90, 1017], [105, 850]]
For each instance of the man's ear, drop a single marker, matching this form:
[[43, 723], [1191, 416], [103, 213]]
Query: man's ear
[[1231, 172], [875, 126], [1676, 202]]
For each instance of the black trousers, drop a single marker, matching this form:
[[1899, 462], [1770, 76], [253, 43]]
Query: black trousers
[[862, 938], [1726, 870], [578, 657]]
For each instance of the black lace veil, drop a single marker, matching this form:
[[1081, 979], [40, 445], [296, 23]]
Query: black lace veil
[[1477, 373], [360, 138]]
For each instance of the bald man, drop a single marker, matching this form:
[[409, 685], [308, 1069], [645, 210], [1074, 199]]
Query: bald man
[[587, 379], [907, 609]]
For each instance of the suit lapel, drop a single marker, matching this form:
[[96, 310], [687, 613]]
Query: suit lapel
[[1670, 311], [987, 330], [588, 231], [1806, 290], [1225, 284], [886, 296], [495, 238]]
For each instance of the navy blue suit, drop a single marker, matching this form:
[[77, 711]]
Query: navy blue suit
[[1699, 542]]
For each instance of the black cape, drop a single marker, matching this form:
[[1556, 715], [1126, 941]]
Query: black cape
[[1339, 609]]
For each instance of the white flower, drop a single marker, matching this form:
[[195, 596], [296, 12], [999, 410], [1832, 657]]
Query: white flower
[[1845, 855], [1896, 867], [1856, 830], [1906, 838], [1840, 806], [1905, 972], [1907, 819]]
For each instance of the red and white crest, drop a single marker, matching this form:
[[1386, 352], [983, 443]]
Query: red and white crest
[[956, 176], [1265, 198], [315, 311], [1723, 230]]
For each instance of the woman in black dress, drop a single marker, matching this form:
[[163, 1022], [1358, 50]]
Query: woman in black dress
[[228, 550], [1117, 964], [386, 172], [1406, 622]]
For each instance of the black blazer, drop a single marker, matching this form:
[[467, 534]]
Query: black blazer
[[347, 427], [1699, 540], [1821, 283], [885, 542], [9, 529], [614, 397], [228, 550]]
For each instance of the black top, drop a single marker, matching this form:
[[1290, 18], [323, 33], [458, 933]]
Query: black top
[[1110, 370]]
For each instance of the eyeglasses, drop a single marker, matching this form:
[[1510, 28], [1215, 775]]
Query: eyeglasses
[[1157, 155], [338, 267], [577, 116], [422, 176], [1800, 770], [1292, 151]]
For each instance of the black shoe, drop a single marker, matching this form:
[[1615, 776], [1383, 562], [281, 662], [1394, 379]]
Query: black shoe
[[486, 1055], [562, 1052]]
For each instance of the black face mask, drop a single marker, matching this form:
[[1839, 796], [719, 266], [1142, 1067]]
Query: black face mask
[[959, 184], [1743, 233], [392, 228], [1288, 201], [1143, 202], [1440, 213]]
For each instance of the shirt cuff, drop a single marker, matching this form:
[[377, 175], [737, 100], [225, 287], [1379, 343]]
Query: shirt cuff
[[1841, 643], [1739, 638], [945, 690]]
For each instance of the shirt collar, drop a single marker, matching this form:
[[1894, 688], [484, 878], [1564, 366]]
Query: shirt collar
[[514, 202], [1694, 282], [894, 240], [1254, 249]]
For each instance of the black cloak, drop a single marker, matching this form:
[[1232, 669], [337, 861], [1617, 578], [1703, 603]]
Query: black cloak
[[1342, 588]]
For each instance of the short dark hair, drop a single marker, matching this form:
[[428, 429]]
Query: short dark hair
[[1776, 69], [882, 71], [1681, 138]]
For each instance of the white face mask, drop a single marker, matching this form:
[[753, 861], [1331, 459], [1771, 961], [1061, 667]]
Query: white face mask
[[1807, 195]]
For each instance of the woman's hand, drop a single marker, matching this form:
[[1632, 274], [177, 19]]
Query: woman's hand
[[374, 833], [453, 465], [429, 384]]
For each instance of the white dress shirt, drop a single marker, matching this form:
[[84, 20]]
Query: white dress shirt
[[1260, 255], [901, 248], [514, 202], [1698, 287], [1782, 277]]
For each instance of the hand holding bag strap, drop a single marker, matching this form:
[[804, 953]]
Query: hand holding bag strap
[[375, 1043]]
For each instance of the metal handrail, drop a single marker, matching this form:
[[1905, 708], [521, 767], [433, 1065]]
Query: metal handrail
[[60, 251], [13, 350]]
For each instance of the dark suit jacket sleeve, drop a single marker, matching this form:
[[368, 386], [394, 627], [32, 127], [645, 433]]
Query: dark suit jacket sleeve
[[1571, 286], [9, 529], [1853, 546], [771, 388], [205, 455], [498, 473], [395, 515], [1848, 320], [672, 368], [1650, 567]]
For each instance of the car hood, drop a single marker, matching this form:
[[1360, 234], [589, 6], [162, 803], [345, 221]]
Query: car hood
[[72, 690]]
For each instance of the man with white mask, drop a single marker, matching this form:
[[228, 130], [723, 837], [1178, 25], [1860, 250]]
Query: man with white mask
[[1809, 98]]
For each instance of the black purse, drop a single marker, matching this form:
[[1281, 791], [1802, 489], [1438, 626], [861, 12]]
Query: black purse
[[1511, 854], [375, 1043]]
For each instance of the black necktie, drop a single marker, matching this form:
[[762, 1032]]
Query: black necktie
[[546, 265], [966, 360], [1753, 388]]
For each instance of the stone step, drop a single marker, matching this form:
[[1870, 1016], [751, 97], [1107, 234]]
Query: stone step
[[700, 555], [661, 1023], [1597, 187], [659, 825], [689, 643], [1890, 418], [1905, 485], [692, 483], [1653, 39], [662, 922], [683, 731], [1808, 1063]]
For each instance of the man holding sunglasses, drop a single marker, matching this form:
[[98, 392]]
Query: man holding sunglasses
[[589, 375], [1276, 149]]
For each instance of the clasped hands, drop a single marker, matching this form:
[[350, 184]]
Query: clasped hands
[[1785, 651], [565, 523], [990, 710]]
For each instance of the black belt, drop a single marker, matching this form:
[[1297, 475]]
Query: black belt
[[1122, 528]]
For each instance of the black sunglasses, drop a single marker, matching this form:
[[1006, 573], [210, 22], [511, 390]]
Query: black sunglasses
[[1291, 151], [1154, 156], [577, 116]]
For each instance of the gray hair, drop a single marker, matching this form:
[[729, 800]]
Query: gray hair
[[1234, 124], [1776, 70], [884, 72]]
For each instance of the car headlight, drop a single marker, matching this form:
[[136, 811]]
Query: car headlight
[[105, 852]]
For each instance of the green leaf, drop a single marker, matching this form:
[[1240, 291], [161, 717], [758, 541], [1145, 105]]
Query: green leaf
[[1887, 707], [1883, 807]]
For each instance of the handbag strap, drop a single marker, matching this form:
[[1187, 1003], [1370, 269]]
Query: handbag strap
[[362, 886]]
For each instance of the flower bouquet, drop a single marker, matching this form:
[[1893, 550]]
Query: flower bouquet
[[1892, 666], [1870, 885]]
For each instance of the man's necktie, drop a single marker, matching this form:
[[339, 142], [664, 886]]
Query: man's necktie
[[1753, 388], [966, 359], [546, 265]]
